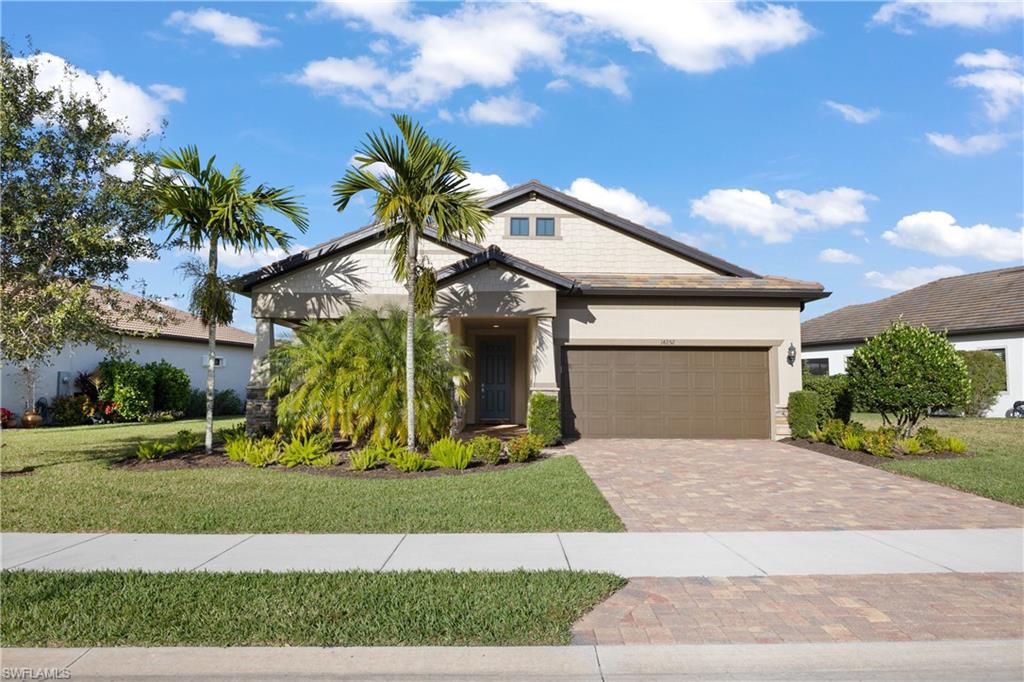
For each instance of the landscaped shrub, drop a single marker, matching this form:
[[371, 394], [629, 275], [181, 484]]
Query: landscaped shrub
[[256, 452], [879, 443], [954, 445], [930, 439], [160, 416], [409, 461], [389, 448], [803, 413], [72, 410], [128, 385], [486, 449], [186, 440], [987, 373], [523, 448], [230, 433], [226, 403], [449, 453], [151, 450], [851, 441], [542, 418], [311, 450], [904, 372], [835, 400], [171, 386], [365, 459], [833, 431], [910, 446], [196, 406]]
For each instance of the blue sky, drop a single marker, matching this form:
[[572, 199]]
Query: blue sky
[[867, 146]]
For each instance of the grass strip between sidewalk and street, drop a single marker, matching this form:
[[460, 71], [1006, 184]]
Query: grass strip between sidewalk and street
[[351, 608]]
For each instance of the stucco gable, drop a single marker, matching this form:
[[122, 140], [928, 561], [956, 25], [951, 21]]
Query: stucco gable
[[495, 291]]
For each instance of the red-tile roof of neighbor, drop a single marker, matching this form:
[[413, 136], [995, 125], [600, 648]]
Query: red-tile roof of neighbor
[[170, 323]]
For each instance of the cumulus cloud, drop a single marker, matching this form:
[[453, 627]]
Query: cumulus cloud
[[968, 146], [244, 260], [168, 93], [488, 184], [837, 256], [937, 233], [854, 114], [997, 78], [507, 110], [971, 15], [908, 278], [779, 221], [227, 29], [121, 100], [989, 59], [618, 200]]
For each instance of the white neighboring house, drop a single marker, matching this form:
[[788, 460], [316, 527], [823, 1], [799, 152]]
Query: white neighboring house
[[978, 311], [180, 339]]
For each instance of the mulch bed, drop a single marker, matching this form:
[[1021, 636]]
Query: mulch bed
[[864, 457], [198, 459]]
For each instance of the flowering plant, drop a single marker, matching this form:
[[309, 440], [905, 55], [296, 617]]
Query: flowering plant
[[6, 414]]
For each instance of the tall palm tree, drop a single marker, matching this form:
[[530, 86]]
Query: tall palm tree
[[423, 184], [204, 207]]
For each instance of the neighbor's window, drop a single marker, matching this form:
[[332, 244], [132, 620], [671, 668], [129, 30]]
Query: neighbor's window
[[545, 227], [519, 227], [218, 360], [1001, 353], [816, 366]]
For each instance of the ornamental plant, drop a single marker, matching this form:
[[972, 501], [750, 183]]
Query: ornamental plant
[[988, 377], [542, 418], [904, 372]]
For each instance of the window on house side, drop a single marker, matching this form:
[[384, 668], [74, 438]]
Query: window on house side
[[519, 227], [816, 366], [545, 227]]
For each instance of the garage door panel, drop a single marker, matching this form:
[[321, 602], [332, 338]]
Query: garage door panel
[[666, 393]]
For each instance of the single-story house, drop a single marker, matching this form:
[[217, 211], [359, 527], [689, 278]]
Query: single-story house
[[978, 311], [174, 335], [637, 334]]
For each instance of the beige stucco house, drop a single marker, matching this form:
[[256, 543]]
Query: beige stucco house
[[637, 334]]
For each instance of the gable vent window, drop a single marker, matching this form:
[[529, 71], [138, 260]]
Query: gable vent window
[[545, 227], [519, 227], [218, 360]]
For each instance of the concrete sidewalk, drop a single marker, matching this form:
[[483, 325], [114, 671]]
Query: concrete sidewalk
[[844, 552], [960, 661]]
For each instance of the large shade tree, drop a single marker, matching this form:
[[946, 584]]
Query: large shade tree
[[420, 183], [206, 208]]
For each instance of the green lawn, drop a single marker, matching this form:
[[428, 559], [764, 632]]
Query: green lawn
[[73, 488], [997, 470], [357, 608]]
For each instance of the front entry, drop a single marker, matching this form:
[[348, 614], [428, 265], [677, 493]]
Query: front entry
[[494, 371]]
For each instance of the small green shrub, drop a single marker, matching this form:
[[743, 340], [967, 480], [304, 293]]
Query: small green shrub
[[955, 445], [542, 418], [486, 449], [390, 448], [186, 440], [72, 410], [171, 386], [851, 441], [196, 405], [523, 448], [817, 435], [311, 450], [833, 431], [410, 462], [449, 453], [158, 417], [803, 413], [878, 443], [835, 400], [365, 459], [987, 372], [152, 450], [128, 385], [226, 404], [910, 446], [256, 452], [230, 433], [930, 438]]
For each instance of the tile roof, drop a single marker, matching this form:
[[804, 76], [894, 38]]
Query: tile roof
[[494, 254], [171, 323], [700, 284], [980, 301]]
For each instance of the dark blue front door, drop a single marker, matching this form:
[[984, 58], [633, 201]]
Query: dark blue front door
[[495, 375]]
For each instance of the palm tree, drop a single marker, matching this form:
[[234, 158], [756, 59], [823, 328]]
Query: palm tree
[[204, 207], [423, 185]]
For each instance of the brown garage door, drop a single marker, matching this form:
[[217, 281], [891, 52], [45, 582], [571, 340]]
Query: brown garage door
[[665, 392]]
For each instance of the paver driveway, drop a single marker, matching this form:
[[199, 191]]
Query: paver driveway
[[734, 485]]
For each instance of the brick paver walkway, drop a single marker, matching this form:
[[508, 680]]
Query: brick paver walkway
[[788, 609], [722, 485]]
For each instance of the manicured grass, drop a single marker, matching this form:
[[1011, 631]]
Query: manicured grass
[[997, 470], [356, 608], [73, 488]]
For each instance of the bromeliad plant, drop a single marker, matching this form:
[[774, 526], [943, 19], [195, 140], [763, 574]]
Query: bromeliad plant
[[449, 453], [307, 450]]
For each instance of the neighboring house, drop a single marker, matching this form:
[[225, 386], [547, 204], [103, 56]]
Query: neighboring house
[[979, 311], [637, 334], [174, 336]]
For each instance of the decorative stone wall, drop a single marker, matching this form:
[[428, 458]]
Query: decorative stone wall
[[260, 411]]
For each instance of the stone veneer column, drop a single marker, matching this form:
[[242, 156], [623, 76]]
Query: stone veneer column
[[260, 411]]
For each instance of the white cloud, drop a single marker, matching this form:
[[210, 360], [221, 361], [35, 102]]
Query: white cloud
[[122, 100], [696, 37], [778, 221], [558, 84], [488, 184], [1001, 86], [610, 77], [909, 278], [937, 233], [376, 168], [508, 110], [243, 260], [227, 29], [854, 114], [445, 115], [837, 256], [618, 200], [972, 15], [968, 146], [123, 170], [700, 240], [989, 59], [168, 93]]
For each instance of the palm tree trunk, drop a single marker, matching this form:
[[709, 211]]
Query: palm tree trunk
[[410, 328], [211, 359]]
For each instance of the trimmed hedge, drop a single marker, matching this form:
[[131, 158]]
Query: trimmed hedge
[[542, 418], [835, 399], [128, 385], [803, 413], [171, 387], [987, 372]]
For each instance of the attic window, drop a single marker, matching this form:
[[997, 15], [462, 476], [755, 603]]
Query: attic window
[[545, 227], [519, 227]]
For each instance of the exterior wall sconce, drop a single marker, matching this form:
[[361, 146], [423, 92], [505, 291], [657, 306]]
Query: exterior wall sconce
[[791, 354]]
